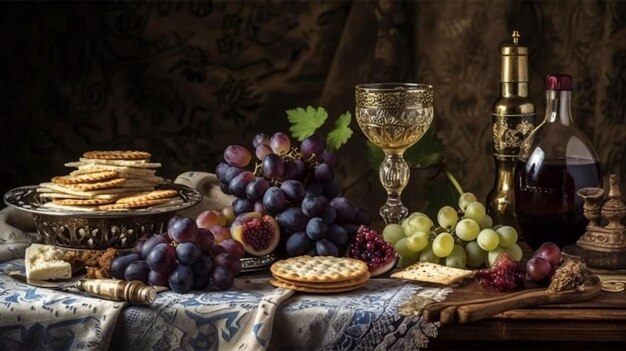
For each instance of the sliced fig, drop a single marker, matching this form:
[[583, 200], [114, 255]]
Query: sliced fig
[[258, 234], [370, 247], [245, 217]]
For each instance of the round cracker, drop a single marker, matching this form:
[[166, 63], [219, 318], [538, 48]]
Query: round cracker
[[117, 155], [343, 284], [153, 195], [280, 284], [319, 269], [133, 205], [85, 178]]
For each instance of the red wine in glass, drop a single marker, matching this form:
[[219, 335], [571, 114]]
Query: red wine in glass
[[546, 203]]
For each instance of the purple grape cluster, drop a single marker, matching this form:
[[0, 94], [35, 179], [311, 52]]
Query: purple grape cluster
[[183, 258], [297, 186]]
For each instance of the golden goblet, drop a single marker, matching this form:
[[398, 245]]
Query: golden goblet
[[394, 116]]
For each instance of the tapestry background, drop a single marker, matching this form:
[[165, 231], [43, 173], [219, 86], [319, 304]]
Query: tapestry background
[[184, 79]]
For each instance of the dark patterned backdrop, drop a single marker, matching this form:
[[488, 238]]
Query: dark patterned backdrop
[[183, 79]]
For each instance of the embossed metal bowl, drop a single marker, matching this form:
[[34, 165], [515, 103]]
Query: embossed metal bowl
[[97, 230], [254, 264]]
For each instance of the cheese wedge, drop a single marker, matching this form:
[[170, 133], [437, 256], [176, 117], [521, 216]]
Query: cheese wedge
[[44, 262]]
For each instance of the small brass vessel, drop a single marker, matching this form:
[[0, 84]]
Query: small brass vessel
[[605, 231]]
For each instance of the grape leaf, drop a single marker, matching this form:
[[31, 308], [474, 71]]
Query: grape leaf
[[341, 133], [305, 122], [423, 154], [426, 151]]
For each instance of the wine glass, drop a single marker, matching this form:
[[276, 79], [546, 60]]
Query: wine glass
[[394, 116]]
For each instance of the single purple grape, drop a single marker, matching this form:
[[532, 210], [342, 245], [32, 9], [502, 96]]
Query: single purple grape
[[261, 151], [314, 144], [260, 139], [280, 143], [273, 166], [237, 156], [183, 230]]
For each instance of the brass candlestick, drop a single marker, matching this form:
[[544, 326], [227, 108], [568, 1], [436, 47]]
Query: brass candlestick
[[605, 231]]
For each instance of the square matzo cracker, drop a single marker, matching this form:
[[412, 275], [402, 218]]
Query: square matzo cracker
[[432, 273]]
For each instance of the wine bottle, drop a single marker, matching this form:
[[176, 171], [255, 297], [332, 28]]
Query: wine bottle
[[513, 118], [555, 161]]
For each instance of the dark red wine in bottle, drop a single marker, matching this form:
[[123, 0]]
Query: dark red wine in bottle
[[547, 206], [555, 161]]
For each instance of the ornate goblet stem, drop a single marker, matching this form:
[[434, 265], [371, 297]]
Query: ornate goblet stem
[[394, 175], [394, 116]]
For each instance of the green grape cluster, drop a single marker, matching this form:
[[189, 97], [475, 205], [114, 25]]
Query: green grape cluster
[[463, 238]]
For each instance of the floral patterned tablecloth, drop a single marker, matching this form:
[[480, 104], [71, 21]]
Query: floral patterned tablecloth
[[251, 316]]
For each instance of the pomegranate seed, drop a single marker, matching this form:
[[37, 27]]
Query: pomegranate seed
[[505, 275]]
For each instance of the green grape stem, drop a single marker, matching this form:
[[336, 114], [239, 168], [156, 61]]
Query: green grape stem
[[258, 169], [439, 230], [454, 182], [293, 154]]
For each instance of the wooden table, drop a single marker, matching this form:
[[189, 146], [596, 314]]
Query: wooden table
[[599, 324]]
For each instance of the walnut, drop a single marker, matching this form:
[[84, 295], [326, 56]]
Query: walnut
[[91, 257], [105, 259], [75, 260], [573, 274], [97, 273], [97, 263]]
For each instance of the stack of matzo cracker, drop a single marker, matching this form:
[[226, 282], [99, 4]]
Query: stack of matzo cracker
[[319, 274], [108, 181]]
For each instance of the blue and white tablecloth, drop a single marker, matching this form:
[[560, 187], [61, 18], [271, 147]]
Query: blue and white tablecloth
[[252, 316]]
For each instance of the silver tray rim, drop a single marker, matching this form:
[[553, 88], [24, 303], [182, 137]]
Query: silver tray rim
[[259, 263], [190, 198]]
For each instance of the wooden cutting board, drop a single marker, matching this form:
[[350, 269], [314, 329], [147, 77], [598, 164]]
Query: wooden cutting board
[[602, 306]]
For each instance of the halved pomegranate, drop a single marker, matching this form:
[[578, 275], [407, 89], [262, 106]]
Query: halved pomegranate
[[370, 247]]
